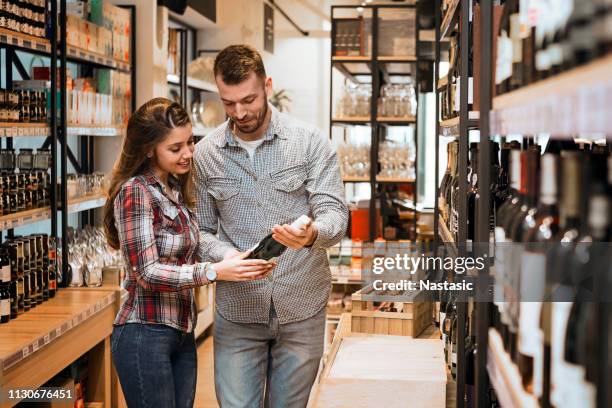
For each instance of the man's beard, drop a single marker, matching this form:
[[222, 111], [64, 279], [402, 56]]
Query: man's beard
[[260, 118]]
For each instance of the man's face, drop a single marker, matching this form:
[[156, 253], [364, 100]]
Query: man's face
[[246, 103]]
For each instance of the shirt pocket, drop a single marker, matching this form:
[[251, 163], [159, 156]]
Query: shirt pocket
[[290, 180], [171, 220], [223, 188]]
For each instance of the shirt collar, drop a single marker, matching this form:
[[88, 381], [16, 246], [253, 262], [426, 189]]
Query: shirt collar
[[275, 129], [152, 178]]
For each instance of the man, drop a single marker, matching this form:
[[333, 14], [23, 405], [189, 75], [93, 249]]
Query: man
[[255, 174]]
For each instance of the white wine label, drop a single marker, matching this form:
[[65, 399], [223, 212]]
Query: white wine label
[[5, 274], [454, 358], [559, 367], [442, 317], [530, 335], [5, 307]]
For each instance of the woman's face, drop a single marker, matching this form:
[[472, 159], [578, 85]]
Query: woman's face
[[173, 154]]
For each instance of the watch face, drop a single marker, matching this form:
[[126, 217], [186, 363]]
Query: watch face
[[211, 274]]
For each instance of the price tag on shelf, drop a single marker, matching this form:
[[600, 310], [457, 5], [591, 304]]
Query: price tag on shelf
[[25, 352], [47, 338], [35, 346], [20, 132], [342, 279]]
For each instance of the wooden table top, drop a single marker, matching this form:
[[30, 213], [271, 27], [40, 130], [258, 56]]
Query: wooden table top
[[41, 325]]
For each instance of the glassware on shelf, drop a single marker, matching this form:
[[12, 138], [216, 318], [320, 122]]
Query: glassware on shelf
[[354, 160], [355, 101], [396, 161], [397, 101], [88, 255]]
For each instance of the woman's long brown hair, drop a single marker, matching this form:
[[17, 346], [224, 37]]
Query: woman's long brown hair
[[147, 127]]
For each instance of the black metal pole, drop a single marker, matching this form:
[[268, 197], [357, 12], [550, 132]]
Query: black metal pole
[[415, 197], [9, 85], [462, 202], [53, 124], [374, 69], [437, 127], [64, 143], [484, 207], [184, 68]]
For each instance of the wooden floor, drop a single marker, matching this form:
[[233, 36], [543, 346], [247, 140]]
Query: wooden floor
[[205, 391]]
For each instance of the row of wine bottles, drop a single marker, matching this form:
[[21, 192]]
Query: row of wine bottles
[[552, 258], [550, 228], [538, 39]]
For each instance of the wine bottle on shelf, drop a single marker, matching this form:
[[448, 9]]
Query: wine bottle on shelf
[[521, 224], [445, 180], [535, 315], [448, 191], [451, 309], [5, 303], [453, 345], [558, 265], [49, 244], [470, 364], [505, 261], [269, 248], [577, 389], [472, 192]]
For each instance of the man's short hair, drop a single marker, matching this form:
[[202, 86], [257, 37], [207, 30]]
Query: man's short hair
[[236, 62]]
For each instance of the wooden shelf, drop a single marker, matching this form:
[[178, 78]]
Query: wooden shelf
[[96, 130], [356, 179], [357, 58], [193, 83], [397, 58], [451, 127], [357, 120], [25, 41], [48, 321], [79, 55], [447, 238], [398, 121], [505, 376], [8, 129], [14, 129], [21, 218], [342, 280], [449, 19], [86, 203], [380, 179], [573, 102]]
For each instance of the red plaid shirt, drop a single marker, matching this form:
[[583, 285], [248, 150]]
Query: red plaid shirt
[[159, 239]]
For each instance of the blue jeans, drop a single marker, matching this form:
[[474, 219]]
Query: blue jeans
[[156, 364], [272, 365]]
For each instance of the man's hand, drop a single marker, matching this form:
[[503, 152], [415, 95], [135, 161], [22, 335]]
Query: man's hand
[[232, 253], [295, 238]]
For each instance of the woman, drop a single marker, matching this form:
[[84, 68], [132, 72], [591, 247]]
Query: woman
[[148, 216]]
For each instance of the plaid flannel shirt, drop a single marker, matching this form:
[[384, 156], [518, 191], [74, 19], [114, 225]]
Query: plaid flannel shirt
[[294, 171], [159, 240]]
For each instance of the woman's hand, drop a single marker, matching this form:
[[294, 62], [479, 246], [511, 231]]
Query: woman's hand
[[236, 268]]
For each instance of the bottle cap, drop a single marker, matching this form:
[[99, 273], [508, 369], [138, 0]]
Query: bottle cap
[[301, 222], [548, 180]]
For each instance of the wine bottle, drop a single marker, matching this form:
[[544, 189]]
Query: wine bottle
[[472, 193], [52, 254], [535, 314], [5, 303], [445, 179], [269, 248], [560, 261]]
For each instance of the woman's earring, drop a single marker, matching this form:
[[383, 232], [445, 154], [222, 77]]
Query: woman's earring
[[149, 155]]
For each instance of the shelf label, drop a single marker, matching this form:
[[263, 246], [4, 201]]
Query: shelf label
[[47, 338], [25, 352], [342, 279], [27, 43], [35, 346]]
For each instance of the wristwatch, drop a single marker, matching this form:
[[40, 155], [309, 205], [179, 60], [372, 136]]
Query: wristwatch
[[211, 274]]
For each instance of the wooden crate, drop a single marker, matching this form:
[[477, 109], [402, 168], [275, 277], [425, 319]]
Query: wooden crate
[[368, 370], [410, 319]]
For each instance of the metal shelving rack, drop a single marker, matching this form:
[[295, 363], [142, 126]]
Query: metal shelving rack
[[376, 69], [457, 16], [57, 129], [183, 81]]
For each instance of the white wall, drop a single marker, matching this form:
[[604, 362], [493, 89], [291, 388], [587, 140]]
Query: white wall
[[299, 64]]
